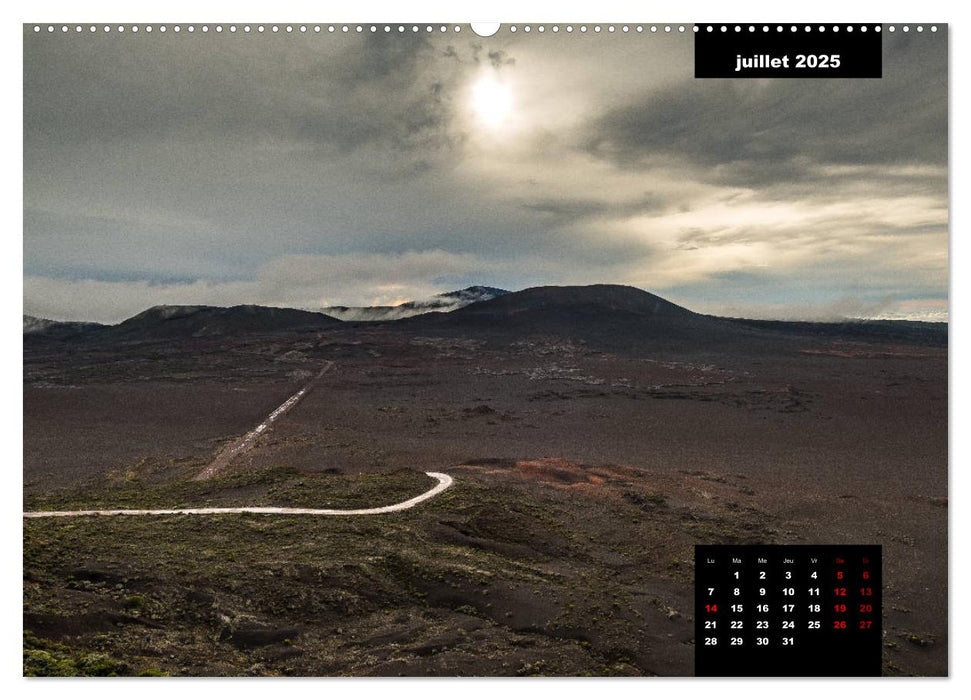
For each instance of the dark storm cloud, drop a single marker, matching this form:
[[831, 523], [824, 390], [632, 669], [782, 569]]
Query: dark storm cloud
[[378, 92], [372, 90], [762, 132]]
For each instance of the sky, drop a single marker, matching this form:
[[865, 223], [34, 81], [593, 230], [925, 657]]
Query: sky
[[311, 170]]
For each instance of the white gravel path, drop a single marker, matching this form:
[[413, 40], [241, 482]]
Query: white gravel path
[[444, 482]]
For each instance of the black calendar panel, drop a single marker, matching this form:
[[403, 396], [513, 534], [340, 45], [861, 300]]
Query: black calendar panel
[[788, 610]]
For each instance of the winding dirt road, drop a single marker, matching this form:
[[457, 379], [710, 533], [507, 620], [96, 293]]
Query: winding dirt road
[[444, 482]]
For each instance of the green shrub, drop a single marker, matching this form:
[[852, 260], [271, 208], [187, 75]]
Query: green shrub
[[43, 657]]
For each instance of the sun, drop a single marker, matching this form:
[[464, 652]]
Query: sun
[[491, 101]]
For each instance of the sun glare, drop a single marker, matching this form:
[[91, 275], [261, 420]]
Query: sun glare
[[491, 101]]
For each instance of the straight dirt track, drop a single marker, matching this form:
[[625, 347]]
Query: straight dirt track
[[234, 449]]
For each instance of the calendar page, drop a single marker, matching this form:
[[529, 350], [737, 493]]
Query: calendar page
[[529, 349]]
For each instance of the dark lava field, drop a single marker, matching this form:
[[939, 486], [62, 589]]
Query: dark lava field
[[595, 435]]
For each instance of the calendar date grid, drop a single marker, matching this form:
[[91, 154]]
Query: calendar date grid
[[781, 608]]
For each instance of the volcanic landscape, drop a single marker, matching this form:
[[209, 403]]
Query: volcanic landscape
[[594, 435]]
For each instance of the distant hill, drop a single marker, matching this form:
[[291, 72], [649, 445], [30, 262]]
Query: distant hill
[[908, 332], [212, 321], [623, 318], [440, 303], [611, 316], [37, 327], [555, 304]]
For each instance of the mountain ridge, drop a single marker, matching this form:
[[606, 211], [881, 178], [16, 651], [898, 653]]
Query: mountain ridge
[[613, 316]]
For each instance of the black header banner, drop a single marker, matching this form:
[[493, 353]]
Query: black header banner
[[788, 51]]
